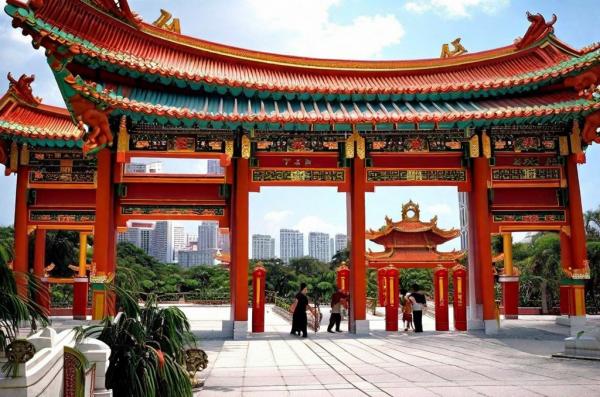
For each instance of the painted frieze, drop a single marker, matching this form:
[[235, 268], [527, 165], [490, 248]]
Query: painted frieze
[[193, 210], [528, 216], [407, 175], [304, 175], [65, 217]]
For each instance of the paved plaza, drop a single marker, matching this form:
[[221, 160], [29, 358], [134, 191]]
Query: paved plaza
[[516, 363]]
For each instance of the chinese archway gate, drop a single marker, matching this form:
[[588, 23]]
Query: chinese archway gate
[[412, 243], [505, 126]]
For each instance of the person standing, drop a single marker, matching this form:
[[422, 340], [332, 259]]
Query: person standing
[[299, 319], [418, 301], [406, 305], [337, 300]]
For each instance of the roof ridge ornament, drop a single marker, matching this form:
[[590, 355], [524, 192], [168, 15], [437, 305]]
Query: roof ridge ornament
[[21, 89], [413, 208], [163, 22], [458, 49], [537, 30]]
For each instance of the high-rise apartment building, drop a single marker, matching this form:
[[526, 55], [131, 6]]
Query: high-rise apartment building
[[263, 246], [207, 235], [154, 167], [179, 242], [214, 168], [318, 246], [332, 250], [161, 242], [341, 242], [197, 258], [291, 244]]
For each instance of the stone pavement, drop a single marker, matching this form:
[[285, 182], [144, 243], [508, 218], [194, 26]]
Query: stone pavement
[[516, 363]]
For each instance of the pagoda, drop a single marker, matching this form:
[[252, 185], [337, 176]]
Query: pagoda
[[412, 243]]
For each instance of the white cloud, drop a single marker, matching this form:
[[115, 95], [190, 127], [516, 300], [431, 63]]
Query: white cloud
[[456, 8], [310, 31], [277, 216]]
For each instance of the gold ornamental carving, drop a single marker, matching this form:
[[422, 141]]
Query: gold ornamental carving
[[457, 49], [165, 22], [474, 146], [245, 147], [24, 160], [563, 145], [123, 141], [229, 148], [486, 145]]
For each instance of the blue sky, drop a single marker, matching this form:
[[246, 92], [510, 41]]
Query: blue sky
[[374, 29]]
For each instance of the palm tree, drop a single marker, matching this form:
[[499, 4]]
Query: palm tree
[[16, 309], [147, 352]]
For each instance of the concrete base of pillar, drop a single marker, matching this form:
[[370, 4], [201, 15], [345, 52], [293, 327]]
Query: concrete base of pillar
[[361, 327], [227, 328], [475, 318], [240, 330], [491, 327], [475, 325]]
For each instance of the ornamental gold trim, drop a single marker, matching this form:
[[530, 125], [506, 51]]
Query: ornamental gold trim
[[575, 138], [24, 160], [563, 145], [245, 147], [229, 148], [486, 145], [474, 146], [123, 141]]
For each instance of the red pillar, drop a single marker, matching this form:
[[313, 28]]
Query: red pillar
[[104, 238], [578, 238], [480, 217], [381, 286], [459, 275], [509, 281], [343, 277], [239, 237], [80, 282], [392, 298], [258, 305], [21, 260], [42, 297], [440, 276], [355, 210], [565, 260], [510, 296]]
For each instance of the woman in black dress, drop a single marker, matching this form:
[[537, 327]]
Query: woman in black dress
[[299, 320]]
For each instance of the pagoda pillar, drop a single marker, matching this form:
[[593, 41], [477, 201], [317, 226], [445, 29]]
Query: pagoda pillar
[[103, 301], [565, 260], [579, 262], [239, 248], [343, 277], [42, 296], [459, 275], [473, 302], [356, 224], [392, 298], [80, 282], [510, 281], [440, 275], [479, 215], [381, 286], [258, 305], [21, 259]]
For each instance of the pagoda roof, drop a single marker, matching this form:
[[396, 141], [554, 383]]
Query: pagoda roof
[[411, 224], [414, 257], [412, 242], [24, 116], [105, 35]]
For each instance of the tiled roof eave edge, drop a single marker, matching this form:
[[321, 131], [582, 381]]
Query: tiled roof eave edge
[[240, 85]]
